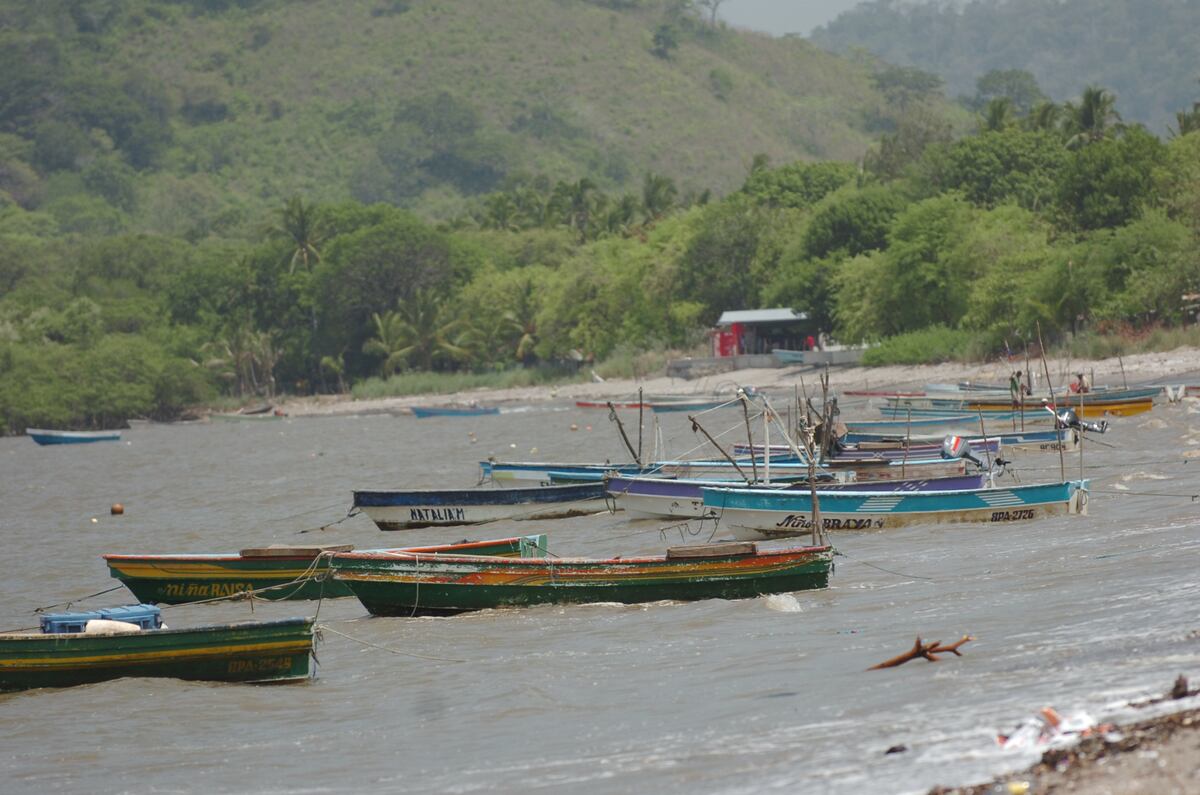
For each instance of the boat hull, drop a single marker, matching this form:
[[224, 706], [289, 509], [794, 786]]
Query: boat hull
[[179, 579], [250, 652], [722, 470], [681, 499], [47, 437], [448, 411], [449, 585], [405, 510], [754, 515]]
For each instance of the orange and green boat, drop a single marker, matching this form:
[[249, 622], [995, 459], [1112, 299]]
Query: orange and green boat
[[418, 584], [257, 651], [275, 572]]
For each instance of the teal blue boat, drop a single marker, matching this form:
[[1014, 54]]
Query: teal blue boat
[[762, 513]]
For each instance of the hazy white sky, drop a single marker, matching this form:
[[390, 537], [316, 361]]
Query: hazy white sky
[[783, 16]]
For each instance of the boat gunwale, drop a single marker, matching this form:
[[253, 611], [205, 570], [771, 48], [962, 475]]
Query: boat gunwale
[[557, 561]]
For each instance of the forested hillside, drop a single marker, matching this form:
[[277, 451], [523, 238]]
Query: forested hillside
[[170, 235], [1144, 52], [189, 117]]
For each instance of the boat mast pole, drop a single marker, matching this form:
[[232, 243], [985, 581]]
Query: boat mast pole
[[766, 444], [641, 421], [1062, 464], [612, 415], [696, 426], [749, 434]]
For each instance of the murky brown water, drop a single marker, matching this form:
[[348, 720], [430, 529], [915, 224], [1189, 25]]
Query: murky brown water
[[769, 693]]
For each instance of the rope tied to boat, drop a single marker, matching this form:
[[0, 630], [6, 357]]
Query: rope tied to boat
[[840, 554], [350, 514], [327, 628], [67, 605]]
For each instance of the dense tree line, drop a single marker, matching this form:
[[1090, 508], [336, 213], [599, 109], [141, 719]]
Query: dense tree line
[[1063, 219]]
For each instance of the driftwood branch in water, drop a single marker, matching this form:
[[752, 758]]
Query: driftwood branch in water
[[927, 651]]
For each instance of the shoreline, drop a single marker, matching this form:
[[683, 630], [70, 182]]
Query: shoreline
[[1171, 367], [1153, 756]]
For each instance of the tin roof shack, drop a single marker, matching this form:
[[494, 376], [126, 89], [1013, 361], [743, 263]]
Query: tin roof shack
[[760, 331]]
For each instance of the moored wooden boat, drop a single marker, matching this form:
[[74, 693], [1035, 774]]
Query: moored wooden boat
[[275, 573], [1047, 440], [257, 651], [453, 411], [545, 472], [412, 508], [45, 436], [761, 513], [684, 499], [415, 585]]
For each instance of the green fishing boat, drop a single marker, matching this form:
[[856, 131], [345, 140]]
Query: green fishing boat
[[257, 651], [275, 572], [416, 584]]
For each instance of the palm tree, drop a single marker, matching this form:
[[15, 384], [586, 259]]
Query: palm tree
[[622, 216], [574, 204], [658, 195], [1093, 119], [1043, 117], [520, 322], [420, 335], [501, 212], [1187, 121], [245, 357], [997, 115], [301, 225]]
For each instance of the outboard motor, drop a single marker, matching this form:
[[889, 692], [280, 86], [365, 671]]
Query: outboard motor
[[1067, 418], [954, 447]]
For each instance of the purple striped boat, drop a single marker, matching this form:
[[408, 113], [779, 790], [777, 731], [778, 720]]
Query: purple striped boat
[[642, 497], [856, 453]]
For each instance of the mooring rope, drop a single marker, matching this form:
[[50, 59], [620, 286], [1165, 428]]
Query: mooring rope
[[70, 602], [327, 628], [881, 568], [349, 515]]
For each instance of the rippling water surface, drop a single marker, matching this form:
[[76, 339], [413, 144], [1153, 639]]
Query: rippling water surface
[[715, 696]]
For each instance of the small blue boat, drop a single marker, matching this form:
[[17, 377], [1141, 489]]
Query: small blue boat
[[453, 411], [412, 508], [43, 436]]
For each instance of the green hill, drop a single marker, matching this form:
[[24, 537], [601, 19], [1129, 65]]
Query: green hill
[[1143, 52], [190, 117]]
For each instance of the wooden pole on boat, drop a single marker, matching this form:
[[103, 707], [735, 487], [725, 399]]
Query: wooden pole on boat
[[1080, 432], [1029, 378], [641, 420], [907, 444], [818, 529], [983, 433], [612, 415], [1121, 362], [749, 434], [1062, 464], [696, 426], [766, 443]]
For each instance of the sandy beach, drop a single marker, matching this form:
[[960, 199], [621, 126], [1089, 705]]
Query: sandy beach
[[1181, 365]]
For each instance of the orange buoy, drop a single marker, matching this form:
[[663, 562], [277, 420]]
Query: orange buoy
[[117, 509]]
